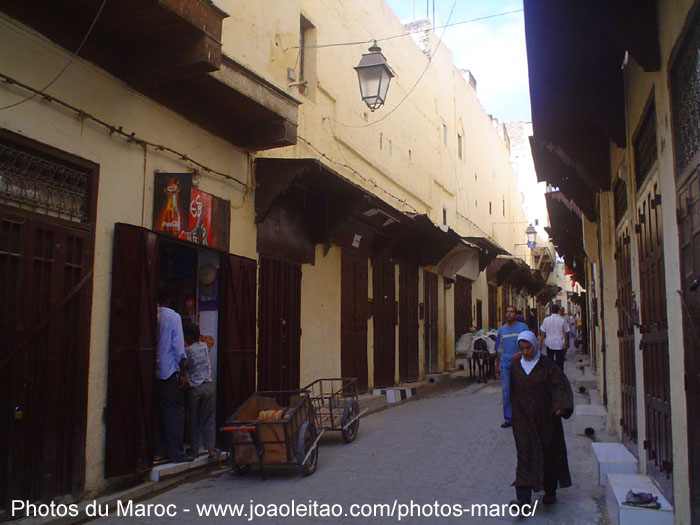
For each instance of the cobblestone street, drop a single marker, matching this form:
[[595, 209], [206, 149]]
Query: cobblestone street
[[447, 447]]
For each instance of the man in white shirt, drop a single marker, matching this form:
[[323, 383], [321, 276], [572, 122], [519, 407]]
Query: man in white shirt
[[555, 334]]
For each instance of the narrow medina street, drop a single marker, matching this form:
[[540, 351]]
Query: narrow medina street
[[446, 447]]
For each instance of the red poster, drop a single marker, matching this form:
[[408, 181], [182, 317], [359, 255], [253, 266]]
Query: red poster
[[188, 213]]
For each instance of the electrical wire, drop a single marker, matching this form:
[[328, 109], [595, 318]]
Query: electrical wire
[[420, 77], [70, 61], [408, 33], [131, 138], [368, 180]]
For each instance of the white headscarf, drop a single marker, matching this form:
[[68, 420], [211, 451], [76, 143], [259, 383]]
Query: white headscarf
[[528, 336]]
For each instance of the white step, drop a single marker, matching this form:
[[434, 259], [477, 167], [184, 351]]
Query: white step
[[436, 378], [589, 416], [616, 492], [613, 458], [163, 470], [587, 381], [594, 396], [394, 395]]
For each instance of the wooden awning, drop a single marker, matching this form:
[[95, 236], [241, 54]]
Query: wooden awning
[[170, 50], [489, 250], [575, 51]]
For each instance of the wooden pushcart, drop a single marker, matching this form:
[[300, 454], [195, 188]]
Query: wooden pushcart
[[274, 428], [336, 405]]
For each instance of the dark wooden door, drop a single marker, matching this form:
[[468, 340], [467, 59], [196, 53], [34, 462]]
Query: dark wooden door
[[479, 314], [654, 343], [430, 332], [353, 316], [685, 85], [279, 324], [463, 306], [45, 296], [493, 307], [625, 336], [384, 317], [132, 343], [236, 354], [408, 322]]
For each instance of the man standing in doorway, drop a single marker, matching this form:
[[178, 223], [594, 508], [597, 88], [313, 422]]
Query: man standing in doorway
[[506, 347], [170, 379], [555, 334]]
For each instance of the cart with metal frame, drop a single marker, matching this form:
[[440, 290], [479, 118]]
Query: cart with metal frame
[[336, 405], [274, 428]]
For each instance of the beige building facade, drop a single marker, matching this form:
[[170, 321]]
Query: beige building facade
[[339, 242]]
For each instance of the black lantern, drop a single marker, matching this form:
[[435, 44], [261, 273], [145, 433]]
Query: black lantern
[[531, 233], [374, 75]]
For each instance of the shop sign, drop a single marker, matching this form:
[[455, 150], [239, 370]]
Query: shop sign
[[185, 212]]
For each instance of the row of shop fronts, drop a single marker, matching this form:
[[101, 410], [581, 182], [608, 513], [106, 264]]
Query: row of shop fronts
[[622, 164], [143, 167]]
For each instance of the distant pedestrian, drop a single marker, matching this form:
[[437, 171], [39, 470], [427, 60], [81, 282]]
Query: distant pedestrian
[[519, 316], [541, 395], [506, 347], [554, 332], [170, 363], [200, 393]]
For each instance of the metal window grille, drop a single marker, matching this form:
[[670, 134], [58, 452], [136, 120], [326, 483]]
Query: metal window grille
[[685, 99], [41, 183], [645, 150]]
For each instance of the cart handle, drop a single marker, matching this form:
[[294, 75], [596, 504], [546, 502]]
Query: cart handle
[[233, 429]]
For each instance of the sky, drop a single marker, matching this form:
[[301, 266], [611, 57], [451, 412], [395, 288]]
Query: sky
[[493, 50]]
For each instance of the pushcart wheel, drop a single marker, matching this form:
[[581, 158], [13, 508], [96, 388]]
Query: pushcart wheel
[[350, 411], [236, 468], [305, 440]]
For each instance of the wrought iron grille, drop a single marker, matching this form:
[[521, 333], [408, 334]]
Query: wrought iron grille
[[620, 192], [44, 184], [685, 99], [645, 151]]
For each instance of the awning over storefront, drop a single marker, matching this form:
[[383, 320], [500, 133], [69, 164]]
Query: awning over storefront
[[462, 260], [575, 52], [424, 242], [489, 250], [170, 50], [301, 202], [566, 233]]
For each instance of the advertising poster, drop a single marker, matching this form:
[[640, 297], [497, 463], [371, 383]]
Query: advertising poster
[[185, 212]]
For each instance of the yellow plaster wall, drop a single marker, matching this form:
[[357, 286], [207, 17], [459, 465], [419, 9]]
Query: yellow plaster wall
[[320, 317], [672, 17], [126, 175]]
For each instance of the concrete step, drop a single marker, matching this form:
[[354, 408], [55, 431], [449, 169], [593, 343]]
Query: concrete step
[[396, 394], [587, 381], [163, 470], [436, 378], [589, 416], [613, 458], [594, 396], [616, 493]]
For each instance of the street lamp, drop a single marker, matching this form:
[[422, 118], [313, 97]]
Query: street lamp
[[374, 75], [531, 233]]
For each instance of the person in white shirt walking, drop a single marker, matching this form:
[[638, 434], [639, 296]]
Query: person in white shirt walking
[[555, 334]]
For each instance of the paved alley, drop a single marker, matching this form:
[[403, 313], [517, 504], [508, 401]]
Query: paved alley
[[447, 448]]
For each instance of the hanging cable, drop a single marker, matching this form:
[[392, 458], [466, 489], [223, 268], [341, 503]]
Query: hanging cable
[[131, 138], [368, 180], [420, 77], [408, 33], [70, 61]]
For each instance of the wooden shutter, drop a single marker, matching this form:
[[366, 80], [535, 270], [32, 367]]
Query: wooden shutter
[[132, 342], [408, 321], [236, 358]]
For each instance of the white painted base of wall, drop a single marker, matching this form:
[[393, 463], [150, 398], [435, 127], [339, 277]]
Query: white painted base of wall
[[168, 469], [394, 395], [613, 458], [616, 492]]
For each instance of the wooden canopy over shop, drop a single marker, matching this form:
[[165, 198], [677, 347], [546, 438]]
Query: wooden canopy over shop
[[170, 50], [489, 250], [575, 52], [566, 233]]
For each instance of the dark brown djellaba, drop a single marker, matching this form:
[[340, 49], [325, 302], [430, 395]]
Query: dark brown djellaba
[[538, 431]]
